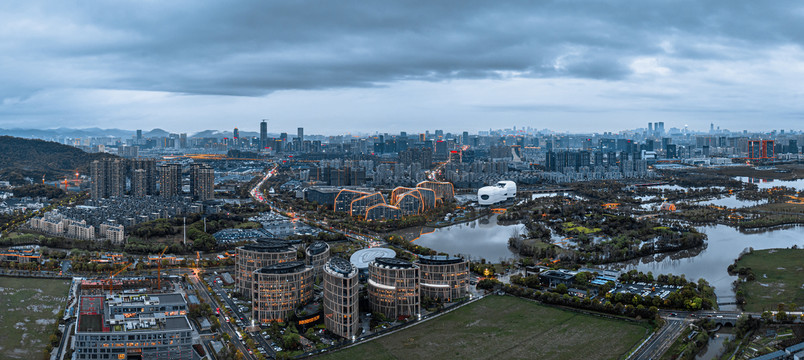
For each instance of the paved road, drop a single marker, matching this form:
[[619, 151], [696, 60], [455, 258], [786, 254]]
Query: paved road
[[257, 336], [225, 326], [65, 340], [661, 340], [245, 318], [258, 196]]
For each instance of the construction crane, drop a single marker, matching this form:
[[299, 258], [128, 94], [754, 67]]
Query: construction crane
[[159, 261], [111, 277]]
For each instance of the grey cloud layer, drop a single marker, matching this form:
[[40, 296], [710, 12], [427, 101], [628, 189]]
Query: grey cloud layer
[[255, 48]]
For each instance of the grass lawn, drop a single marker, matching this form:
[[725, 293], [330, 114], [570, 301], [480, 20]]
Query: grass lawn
[[779, 278], [571, 227], [505, 327], [29, 314], [780, 207]]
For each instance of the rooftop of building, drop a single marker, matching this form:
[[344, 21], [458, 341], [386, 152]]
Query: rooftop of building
[[325, 189], [557, 274], [362, 258], [145, 299], [287, 267], [94, 314], [317, 247], [393, 263], [795, 348], [439, 259], [341, 266], [269, 245]]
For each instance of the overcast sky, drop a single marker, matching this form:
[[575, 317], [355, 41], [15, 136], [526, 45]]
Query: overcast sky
[[343, 66]]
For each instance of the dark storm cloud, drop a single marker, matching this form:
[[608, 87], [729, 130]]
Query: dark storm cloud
[[257, 47]]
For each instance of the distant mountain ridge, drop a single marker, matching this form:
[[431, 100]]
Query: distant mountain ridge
[[66, 132], [223, 134], [21, 158]]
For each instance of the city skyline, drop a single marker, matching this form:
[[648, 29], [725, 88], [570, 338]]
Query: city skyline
[[343, 67], [247, 132], [413, 179]]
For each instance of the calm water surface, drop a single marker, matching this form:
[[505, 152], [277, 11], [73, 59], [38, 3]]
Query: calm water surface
[[723, 246], [481, 238], [731, 201], [484, 238], [769, 183], [715, 347]]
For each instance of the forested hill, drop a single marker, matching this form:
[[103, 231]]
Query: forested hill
[[20, 158]]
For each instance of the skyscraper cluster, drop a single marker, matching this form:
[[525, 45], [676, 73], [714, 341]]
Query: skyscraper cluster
[[110, 176], [202, 182]]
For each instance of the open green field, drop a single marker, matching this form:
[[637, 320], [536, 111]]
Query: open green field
[[505, 327], [28, 316], [779, 278]]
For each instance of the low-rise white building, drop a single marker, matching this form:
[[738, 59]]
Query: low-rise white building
[[497, 193]]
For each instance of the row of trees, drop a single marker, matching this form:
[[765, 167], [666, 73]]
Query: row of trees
[[400, 242], [692, 296], [38, 190], [549, 297]]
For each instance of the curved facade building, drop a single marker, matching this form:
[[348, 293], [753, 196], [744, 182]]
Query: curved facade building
[[383, 212], [444, 191], [255, 256], [361, 204], [341, 292], [280, 289], [316, 255], [397, 192], [426, 196], [393, 287], [443, 277], [410, 203], [343, 201], [499, 192]]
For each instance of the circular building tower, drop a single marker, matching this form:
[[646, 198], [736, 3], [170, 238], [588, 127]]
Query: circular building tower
[[255, 256], [393, 287], [317, 255], [443, 277], [341, 297], [279, 289]]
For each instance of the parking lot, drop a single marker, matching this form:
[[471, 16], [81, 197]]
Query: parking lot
[[646, 289]]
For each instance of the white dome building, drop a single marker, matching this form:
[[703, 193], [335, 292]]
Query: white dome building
[[496, 193]]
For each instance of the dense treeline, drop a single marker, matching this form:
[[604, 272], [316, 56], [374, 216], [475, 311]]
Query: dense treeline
[[199, 230], [38, 190], [321, 236], [777, 194], [691, 296], [400, 242], [696, 179], [602, 237], [21, 158]]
